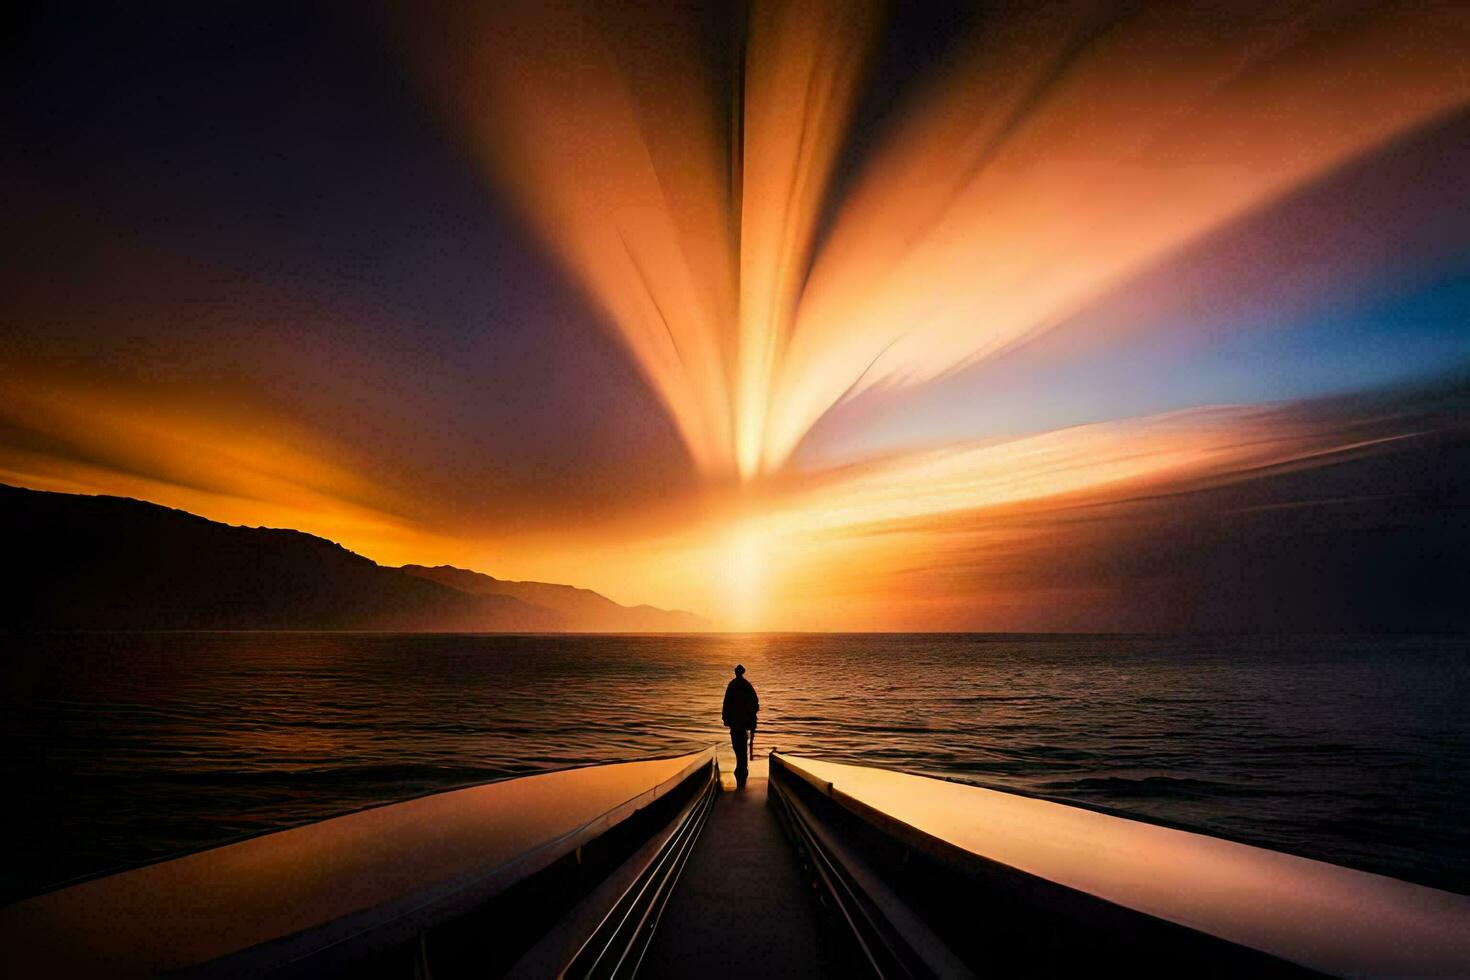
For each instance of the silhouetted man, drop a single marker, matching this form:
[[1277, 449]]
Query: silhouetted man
[[739, 713]]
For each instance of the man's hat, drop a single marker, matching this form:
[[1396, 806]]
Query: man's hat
[[739, 669]]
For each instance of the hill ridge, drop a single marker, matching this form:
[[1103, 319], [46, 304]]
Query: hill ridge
[[95, 561]]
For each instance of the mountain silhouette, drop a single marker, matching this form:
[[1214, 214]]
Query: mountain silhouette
[[589, 610], [96, 562]]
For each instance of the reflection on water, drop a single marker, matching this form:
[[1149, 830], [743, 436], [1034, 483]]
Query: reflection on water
[[127, 747]]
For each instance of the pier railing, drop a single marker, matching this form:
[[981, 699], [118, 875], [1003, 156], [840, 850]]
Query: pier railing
[[941, 878], [464, 881]]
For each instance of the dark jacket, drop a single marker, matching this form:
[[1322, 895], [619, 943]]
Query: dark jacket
[[741, 705]]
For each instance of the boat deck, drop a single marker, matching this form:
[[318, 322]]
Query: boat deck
[[741, 908]]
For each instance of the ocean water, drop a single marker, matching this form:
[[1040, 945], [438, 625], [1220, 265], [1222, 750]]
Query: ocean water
[[126, 748]]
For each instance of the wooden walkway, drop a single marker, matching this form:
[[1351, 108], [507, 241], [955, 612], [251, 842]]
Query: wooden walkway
[[741, 908]]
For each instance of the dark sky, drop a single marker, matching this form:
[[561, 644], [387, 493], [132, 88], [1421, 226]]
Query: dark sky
[[225, 197]]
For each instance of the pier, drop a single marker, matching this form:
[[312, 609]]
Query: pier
[[742, 907]]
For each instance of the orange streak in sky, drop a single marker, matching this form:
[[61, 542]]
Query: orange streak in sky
[[606, 128], [1062, 157], [803, 65], [197, 456], [1064, 151], [831, 548]]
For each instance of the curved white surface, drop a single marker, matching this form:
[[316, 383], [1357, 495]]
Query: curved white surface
[[202, 906], [1319, 915]]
